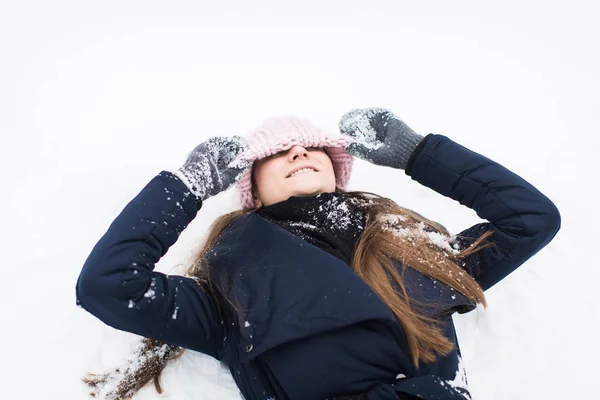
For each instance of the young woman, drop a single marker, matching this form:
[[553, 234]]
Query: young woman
[[310, 291]]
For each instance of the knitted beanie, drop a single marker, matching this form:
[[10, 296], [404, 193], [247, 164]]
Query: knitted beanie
[[282, 133]]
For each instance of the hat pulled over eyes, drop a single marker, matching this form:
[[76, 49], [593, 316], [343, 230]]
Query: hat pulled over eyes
[[282, 133]]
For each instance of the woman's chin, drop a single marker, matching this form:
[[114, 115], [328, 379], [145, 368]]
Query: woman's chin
[[304, 194], [307, 191]]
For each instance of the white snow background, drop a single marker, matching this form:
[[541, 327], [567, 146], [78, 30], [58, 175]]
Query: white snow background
[[96, 97]]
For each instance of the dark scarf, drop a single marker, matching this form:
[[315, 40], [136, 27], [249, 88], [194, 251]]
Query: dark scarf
[[330, 221]]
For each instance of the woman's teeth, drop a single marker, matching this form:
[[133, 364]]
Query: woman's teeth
[[301, 171]]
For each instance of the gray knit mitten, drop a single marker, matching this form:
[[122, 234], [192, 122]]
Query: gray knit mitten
[[209, 170], [380, 137]]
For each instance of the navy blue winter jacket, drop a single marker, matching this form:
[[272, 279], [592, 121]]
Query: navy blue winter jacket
[[310, 327]]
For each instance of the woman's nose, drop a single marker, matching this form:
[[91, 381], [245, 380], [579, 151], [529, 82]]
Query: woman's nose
[[297, 151]]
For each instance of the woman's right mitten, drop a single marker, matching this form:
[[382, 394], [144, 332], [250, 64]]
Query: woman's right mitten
[[209, 170]]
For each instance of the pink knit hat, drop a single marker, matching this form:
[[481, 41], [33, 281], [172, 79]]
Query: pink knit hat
[[282, 133]]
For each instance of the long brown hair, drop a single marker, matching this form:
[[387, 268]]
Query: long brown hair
[[391, 233]]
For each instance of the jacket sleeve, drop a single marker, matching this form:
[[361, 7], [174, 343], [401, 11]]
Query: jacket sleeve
[[118, 285], [522, 218]]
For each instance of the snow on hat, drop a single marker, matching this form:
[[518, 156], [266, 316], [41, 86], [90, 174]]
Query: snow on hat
[[282, 133]]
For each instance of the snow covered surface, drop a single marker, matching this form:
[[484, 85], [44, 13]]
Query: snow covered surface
[[98, 97]]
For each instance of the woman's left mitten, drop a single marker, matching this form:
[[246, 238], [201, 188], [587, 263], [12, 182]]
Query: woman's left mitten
[[380, 137]]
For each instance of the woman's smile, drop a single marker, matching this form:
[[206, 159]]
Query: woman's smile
[[301, 172]]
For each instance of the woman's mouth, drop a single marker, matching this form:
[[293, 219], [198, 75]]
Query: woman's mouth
[[301, 171]]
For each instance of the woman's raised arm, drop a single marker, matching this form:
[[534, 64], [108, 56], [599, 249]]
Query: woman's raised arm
[[118, 283], [522, 218]]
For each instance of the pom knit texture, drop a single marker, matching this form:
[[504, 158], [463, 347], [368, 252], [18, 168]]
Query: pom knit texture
[[282, 133]]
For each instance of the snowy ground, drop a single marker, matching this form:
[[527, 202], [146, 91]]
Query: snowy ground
[[98, 97]]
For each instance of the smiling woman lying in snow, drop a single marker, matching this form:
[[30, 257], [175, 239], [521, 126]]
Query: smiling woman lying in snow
[[311, 291]]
